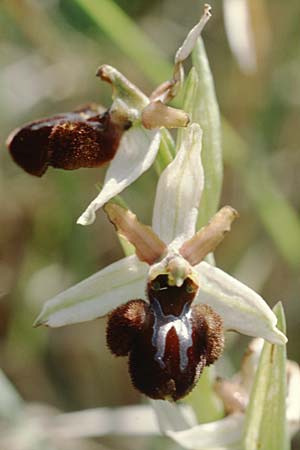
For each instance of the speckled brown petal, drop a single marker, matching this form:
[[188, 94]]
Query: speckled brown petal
[[149, 248], [84, 138], [209, 237]]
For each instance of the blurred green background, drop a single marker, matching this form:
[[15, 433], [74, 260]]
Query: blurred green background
[[49, 53]]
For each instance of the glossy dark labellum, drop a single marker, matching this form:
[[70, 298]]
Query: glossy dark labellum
[[87, 137], [168, 340]]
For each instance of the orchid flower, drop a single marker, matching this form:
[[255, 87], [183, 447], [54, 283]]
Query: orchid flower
[[170, 253], [140, 144], [128, 134]]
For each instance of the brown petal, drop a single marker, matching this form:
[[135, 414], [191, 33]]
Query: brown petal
[[209, 237], [124, 323], [149, 248]]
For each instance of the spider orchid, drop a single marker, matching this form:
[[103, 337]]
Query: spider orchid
[[179, 329]]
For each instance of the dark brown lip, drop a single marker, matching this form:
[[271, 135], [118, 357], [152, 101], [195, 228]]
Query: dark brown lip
[[165, 363], [86, 137]]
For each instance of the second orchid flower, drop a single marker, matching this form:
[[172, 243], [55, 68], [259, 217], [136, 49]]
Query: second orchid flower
[[178, 330]]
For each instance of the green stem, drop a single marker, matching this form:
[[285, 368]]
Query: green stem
[[206, 404], [266, 426], [166, 152]]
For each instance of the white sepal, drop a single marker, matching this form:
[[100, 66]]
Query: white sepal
[[136, 153], [172, 416], [220, 435], [97, 295], [241, 308], [179, 191]]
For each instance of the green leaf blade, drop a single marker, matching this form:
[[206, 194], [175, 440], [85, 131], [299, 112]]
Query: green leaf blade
[[266, 426], [204, 394], [201, 103]]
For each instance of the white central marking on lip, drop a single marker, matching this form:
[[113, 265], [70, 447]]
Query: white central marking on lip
[[163, 324]]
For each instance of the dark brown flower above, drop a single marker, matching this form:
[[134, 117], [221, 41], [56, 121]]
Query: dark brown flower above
[[87, 137]]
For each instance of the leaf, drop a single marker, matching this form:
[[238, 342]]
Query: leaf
[[201, 103], [165, 153], [266, 426]]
